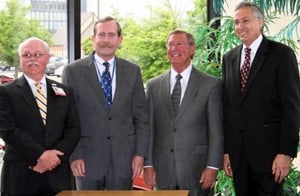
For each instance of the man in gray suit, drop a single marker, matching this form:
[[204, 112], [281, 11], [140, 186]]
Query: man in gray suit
[[115, 128], [185, 146]]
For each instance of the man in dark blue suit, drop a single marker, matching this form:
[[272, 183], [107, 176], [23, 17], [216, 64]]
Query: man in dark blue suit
[[38, 139], [261, 112]]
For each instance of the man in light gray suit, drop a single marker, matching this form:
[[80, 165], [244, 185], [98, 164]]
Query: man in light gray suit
[[115, 128], [186, 147]]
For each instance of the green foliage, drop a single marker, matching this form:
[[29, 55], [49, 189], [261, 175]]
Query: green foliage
[[211, 43], [224, 185], [198, 14], [144, 43], [14, 28], [87, 46], [281, 6], [292, 181]]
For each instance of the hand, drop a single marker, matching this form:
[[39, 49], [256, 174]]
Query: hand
[[281, 166], [227, 165], [208, 178], [39, 167], [150, 176], [137, 166], [50, 158], [78, 167]]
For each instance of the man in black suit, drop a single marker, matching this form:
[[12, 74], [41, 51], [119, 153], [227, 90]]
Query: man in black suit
[[261, 116], [38, 139]]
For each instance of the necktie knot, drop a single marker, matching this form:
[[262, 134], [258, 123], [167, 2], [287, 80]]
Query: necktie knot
[[38, 85], [247, 51], [178, 77], [106, 64]]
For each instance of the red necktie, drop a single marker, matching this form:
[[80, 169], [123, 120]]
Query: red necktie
[[245, 68]]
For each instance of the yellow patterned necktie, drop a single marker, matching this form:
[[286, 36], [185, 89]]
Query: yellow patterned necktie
[[41, 101]]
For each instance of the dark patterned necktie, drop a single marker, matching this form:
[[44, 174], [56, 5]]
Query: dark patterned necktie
[[41, 101], [106, 84], [176, 95], [245, 68]]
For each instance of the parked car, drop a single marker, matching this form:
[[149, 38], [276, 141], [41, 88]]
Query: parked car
[[58, 72], [6, 76], [54, 63]]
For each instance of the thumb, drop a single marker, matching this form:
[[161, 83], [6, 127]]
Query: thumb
[[201, 179], [59, 152]]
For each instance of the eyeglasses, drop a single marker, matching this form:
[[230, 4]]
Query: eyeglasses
[[35, 55], [177, 44], [244, 21]]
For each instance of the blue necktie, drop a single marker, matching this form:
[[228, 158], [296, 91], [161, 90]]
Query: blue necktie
[[106, 84]]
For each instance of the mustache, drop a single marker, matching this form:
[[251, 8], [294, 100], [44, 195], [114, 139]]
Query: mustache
[[106, 45], [32, 63]]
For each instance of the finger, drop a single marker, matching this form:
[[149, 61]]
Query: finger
[[153, 179], [213, 184], [277, 176], [59, 152]]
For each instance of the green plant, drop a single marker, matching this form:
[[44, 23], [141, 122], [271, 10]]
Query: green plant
[[292, 182], [224, 185]]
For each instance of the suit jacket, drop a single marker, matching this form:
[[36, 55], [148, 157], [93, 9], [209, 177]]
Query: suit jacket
[[264, 120], [109, 135], [194, 138], [26, 137]]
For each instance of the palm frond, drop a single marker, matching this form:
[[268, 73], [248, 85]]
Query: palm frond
[[281, 6]]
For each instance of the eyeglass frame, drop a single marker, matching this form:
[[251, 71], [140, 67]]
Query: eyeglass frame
[[177, 44], [35, 55], [244, 21]]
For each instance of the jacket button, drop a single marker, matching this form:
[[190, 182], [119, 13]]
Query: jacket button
[[171, 150], [109, 118], [108, 138]]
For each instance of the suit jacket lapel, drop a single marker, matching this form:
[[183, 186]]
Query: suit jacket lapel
[[165, 92], [51, 102], [235, 65], [256, 64], [94, 81], [28, 96], [120, 83], [190, 92]]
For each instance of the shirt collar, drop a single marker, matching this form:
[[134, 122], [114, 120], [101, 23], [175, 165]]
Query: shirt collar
[[254, 46], [185, 74], [32, 82], [100, 61]]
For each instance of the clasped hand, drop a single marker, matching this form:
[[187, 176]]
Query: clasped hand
[[48, 161]]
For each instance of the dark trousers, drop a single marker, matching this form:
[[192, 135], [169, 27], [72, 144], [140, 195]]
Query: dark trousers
[[44, 190], [247, 182]]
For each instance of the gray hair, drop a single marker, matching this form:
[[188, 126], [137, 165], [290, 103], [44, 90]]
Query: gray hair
[[257, 12], [44, 44]]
